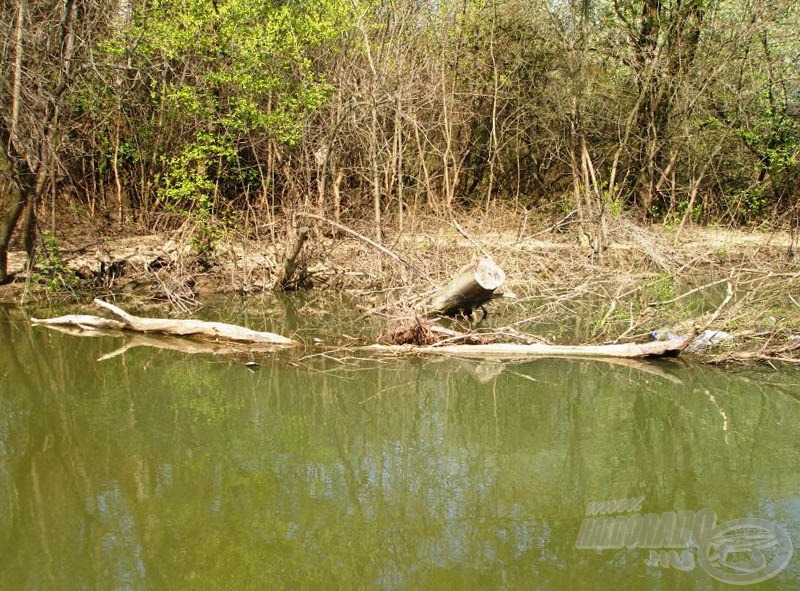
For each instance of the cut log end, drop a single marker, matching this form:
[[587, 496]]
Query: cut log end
[[471, 287], [488, 275]]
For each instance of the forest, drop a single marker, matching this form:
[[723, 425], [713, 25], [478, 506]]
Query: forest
[[224, 111]]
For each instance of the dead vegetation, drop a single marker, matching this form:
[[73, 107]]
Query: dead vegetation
[[410, 329], [646, 279]]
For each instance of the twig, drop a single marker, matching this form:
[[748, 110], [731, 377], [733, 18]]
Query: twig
[[715, 315], [474, 242], [565, 221], [718, 311], [372, 243]]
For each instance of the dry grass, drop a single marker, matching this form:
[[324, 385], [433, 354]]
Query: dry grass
[[647, 278]]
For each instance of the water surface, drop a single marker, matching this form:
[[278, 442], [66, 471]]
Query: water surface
[[157, 469]]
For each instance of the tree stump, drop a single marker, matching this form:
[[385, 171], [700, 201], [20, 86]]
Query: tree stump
[[289, 279], [471, 287]]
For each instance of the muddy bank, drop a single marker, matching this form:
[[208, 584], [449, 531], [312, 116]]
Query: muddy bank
[[648, 279]]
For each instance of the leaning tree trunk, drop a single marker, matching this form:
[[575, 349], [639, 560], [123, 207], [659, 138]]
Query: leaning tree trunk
[[471, 287], [7, 225], [287, 281], [19, 181]]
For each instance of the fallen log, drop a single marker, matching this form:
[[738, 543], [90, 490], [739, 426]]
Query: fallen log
[[82, 321], [161, 341], [471, 287], [188, 346], [175, 327], [653, 349]]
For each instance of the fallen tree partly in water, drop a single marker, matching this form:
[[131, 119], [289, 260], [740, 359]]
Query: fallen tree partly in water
[[167, 326], [440, 341], [671, 348], [189, 346]]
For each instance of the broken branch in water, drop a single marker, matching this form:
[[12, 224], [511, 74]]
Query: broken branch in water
[[175, 327]]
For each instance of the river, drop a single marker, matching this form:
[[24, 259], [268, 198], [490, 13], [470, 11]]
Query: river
[[315, 469]]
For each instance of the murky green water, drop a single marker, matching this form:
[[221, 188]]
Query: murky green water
[[162, 470]]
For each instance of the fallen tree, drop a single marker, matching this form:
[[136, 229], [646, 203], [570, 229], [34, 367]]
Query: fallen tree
[[134, 340], [671, 348], [219, 331], [167, 326]]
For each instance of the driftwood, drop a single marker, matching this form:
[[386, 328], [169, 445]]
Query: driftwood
[[670, 348], [161, 341], [481, 370], [82, 322], [189, 346], [471, 287], [178, 327]]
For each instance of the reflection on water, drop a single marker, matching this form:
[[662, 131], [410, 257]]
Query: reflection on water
[[162, 470]]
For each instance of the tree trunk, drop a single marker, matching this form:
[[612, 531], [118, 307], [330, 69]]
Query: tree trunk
[[471, 287], [20, 180], [7, 225], [287, 280], [660, 73]]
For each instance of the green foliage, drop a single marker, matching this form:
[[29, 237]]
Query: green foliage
[[660, 289], [226, 75], [776, 138], [749, 202], [248, 63], [694, 213], [50, 266], [611, 203], [190, 179], [191, 104]]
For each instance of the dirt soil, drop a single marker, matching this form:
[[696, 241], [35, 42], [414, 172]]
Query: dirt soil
[[647, 278]]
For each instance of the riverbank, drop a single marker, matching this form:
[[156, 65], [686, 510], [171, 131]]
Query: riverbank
[[655, 278]]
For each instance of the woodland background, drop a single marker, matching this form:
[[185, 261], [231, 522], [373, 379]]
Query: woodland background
[[230, 110]]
